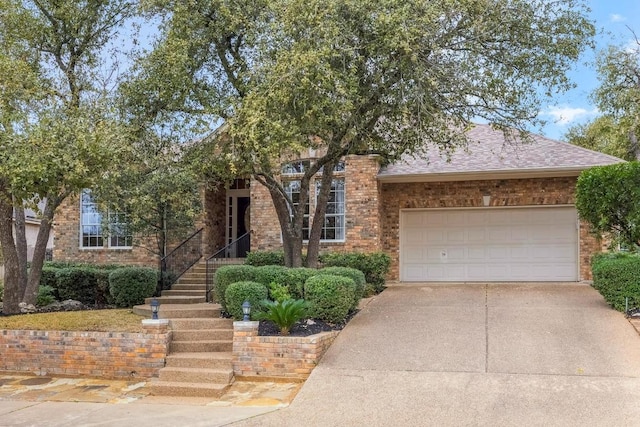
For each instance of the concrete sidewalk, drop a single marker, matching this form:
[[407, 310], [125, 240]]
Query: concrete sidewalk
[[479, 355]]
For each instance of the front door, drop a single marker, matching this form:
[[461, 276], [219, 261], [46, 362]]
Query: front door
[[238, 220]]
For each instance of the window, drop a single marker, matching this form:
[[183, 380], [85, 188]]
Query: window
[[91, 228], [333, 228], [334, 222]]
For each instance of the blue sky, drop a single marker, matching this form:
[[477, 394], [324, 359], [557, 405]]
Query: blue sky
[[613, 18]]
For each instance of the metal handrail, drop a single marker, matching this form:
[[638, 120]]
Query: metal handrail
[[236, 249], [181, 259]]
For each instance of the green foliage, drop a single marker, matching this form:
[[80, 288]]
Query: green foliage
[[228, 274], [77, 283], [604, 134], [291, 278], [130, 286], [330, 297], [260, 258], [284, 313], [48, 278], [375, 266], [45, 296], [278, 292], [616, 277], [608, 197], [239, 292], [356, 275]]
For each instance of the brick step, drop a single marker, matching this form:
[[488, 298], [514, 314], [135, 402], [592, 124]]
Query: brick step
[[209, 346], [171, 388], [181, 311], [196, 375], [200, 323], [219, 360], [184, 292], [202, 334], [177, 299]]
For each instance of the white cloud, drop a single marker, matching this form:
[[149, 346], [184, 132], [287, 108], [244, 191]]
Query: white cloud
[[614, 17], [568, 115]]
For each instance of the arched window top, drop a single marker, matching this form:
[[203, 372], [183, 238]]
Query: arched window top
[[299, 167]]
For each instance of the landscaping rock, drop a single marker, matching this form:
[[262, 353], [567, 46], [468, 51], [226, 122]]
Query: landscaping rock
[[27, 308]]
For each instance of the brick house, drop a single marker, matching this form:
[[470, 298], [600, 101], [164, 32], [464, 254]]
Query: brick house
[[496, 211]]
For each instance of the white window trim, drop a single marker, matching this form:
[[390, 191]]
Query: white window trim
[[106, 238]]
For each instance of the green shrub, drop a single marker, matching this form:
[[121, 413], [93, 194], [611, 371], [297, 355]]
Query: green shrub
[[45, 296], [375, 266], [616, 277], [229, 274], [48, 278], [284, 313], [356, 275], [77, 283], [260, 258], [329, 297], [291, 278], [239, 292], [278, 292], [130, 286]]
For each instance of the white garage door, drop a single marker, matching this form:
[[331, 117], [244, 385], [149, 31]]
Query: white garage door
[[492, 244]]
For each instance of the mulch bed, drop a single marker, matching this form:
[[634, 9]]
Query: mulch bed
[[303, 328]]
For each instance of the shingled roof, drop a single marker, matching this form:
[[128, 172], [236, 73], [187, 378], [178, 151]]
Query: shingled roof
[[490, 155]]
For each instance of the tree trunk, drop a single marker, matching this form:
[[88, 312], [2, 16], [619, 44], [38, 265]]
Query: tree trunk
[[40, 251], [12, 290], [20, 240], [634, 147], [313, 247]]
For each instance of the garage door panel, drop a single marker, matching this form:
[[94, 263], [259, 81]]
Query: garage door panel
[[537, 244]]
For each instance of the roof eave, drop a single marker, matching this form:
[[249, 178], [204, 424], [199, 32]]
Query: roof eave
[[484, 175]]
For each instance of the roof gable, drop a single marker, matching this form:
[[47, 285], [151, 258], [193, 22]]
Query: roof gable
[[490, 155]]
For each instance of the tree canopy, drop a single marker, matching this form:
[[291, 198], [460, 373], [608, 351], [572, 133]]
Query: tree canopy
[[618, 97], [351, 77], [58, 130]]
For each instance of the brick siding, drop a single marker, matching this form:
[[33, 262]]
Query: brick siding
[[276, 357], [86, 354], [67, 242], [362, 218], [459, 194]]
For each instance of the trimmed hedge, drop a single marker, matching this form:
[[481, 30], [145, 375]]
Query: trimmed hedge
[[617, 276], [330, 297], [375, 266], [261, 258], [291, 278], [77, 283], [228, 274], [239, 292], [130, 286], [356, 275]]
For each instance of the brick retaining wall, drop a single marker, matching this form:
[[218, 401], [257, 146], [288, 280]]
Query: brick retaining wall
[[276, 357], [91, 354]]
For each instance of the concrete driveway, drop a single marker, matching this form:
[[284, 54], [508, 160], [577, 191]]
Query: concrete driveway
[[476, 354]]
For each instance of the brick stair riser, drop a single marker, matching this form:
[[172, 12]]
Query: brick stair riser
[[187, 390], [186, 375], [198, 362], [200, 346], [202, 335], [186, 324]]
